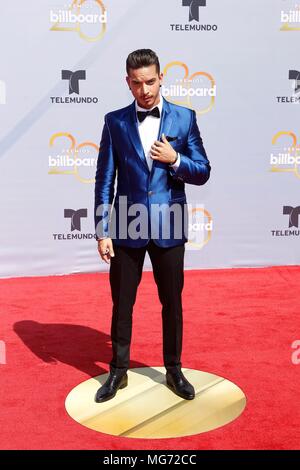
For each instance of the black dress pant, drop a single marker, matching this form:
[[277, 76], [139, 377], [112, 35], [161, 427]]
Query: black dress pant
[[125, 274]]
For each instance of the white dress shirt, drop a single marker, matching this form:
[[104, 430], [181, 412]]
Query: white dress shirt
[[148, 130]]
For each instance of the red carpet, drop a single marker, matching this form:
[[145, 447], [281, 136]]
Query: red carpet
[[238, 323]]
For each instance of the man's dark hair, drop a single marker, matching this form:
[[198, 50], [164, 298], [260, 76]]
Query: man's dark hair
[[142, 58]]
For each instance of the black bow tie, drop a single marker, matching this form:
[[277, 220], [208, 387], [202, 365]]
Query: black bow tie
[[143, 114]]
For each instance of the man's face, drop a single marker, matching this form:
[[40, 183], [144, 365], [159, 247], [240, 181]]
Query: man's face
[[144, 84]]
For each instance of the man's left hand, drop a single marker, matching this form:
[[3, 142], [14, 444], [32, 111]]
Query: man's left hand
[[163, 151]]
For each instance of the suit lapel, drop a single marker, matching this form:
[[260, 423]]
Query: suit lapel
[[166, 119], [133, 132]]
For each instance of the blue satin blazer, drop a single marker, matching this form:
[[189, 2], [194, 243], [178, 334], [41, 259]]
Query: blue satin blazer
[[121, 153]]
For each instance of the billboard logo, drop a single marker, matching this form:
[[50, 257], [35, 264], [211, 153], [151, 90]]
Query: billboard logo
[[200, 227], [195, 90], [290, 19], [286, 158], [78, 160], [86, 18]]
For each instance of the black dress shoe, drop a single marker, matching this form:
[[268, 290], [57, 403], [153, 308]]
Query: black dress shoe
[[177, 382], [111, 386]]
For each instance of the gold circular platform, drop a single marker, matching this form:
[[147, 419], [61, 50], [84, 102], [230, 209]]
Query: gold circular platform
[[146, 408]]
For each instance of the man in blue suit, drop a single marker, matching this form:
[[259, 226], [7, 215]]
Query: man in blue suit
[[154, 147]]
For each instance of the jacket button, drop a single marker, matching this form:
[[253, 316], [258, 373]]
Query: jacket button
[[150, 193]]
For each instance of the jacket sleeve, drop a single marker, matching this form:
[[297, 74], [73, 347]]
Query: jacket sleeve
[[104, 184], [194, 166]]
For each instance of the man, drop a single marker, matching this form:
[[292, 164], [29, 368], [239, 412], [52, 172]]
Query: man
[[155, 148]]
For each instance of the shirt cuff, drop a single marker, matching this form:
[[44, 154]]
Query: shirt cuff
[[177, 163]]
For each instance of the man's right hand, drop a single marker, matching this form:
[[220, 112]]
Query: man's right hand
[[105, 249]]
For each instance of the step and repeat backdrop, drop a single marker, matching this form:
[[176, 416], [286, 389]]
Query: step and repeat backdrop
[[62, 68]]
